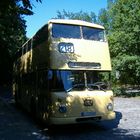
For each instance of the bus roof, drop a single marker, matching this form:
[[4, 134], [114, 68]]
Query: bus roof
[[75, 22]]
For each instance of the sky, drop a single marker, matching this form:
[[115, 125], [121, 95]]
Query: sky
[[47, 10]]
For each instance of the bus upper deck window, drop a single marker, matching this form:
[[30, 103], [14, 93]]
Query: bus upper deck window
[[93, 34], [66, 31]]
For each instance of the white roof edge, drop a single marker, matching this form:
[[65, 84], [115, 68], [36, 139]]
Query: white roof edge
[[75, 22]]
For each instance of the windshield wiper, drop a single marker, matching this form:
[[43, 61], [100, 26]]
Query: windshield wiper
[[76, 86], [97, 86]]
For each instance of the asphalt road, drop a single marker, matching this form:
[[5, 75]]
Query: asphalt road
[[18, 125]]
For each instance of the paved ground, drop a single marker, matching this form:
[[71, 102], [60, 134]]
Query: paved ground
[[17, 125]]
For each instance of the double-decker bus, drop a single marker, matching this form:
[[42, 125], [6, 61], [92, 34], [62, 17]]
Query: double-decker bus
[[61, 74]]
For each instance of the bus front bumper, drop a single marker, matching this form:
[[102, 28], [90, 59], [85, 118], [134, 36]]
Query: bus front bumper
[[74, 120]]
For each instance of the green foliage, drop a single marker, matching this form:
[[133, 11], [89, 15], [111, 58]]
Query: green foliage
[[103, 18], [90, 17], [129, 69], [123, 34], [123, 92], [119, 91], [12, 33]]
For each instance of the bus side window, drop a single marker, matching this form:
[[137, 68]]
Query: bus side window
[[43, 80], [23, 50], [55, 81], [50, 76], [41, 36], [18, 54], [29, 46]]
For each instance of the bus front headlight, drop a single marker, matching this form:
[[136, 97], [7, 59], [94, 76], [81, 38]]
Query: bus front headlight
[[62, 109], [110, 107]]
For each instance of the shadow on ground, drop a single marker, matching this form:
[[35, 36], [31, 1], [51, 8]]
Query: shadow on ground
[[15, 124], [105, 130]]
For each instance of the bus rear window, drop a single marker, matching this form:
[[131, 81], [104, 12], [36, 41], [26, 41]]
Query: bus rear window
[[66, 31]]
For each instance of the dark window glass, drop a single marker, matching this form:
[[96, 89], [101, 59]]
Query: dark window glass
[[41, 36], [29, 46], [55, 81], [66, 80], [93, 34], [42, 79], [97, 81], [24, 49], [18, 54], [66, 31]]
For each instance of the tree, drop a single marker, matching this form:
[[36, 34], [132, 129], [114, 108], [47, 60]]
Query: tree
[[90, 17], [124, 39], [105, 17], [12, 35]]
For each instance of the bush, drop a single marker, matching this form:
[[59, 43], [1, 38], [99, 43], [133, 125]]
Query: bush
[[124, 92], [119, 91]]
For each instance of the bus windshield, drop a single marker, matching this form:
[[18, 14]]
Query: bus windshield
[[76, 80], [78, 32]]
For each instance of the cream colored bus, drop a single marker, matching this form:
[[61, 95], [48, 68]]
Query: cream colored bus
[[61, 75]]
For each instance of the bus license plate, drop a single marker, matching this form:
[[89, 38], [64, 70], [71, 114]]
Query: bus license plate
[[88, 113]]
